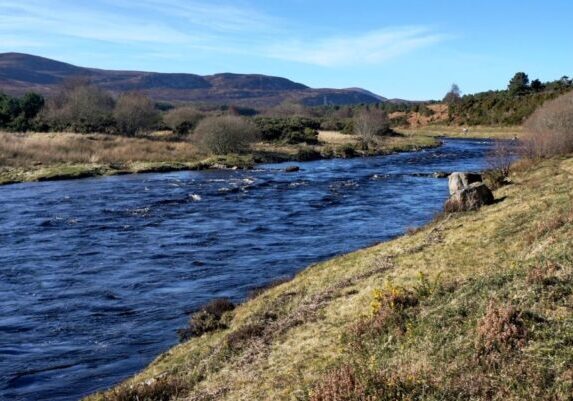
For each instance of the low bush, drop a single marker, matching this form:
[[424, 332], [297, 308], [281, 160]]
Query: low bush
[[345, 151], [276, 128], [305, 154], [226, 134], [182, 120], [308, 136], [500, 332], [210, 318]]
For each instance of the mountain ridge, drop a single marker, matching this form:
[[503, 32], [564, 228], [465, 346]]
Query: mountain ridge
[[21, 73]]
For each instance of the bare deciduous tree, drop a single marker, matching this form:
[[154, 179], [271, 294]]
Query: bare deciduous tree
[[80, 107], [135, 113], [369, 124], [549, 130]]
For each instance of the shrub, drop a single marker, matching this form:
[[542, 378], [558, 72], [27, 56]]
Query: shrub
[[308, 136], [18, 114], [345, 151], [182, 120], [549, 131], [226, 134], [500, 332], [305, 154], [135, 113], [350, 383], [209, 318], [276, 128], [499, 161]]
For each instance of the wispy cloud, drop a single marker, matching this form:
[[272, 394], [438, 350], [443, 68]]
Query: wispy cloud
[[182, 30], [59, 18], [212, 15], [370, 48]]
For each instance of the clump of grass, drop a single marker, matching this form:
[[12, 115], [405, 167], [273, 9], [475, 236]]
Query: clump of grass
[[239, 338], [161, 389], [213, 316]]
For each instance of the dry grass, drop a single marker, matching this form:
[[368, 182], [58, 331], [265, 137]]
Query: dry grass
[[473, 132], [336, 138], [23, 150], [47, 156], [316, 336]]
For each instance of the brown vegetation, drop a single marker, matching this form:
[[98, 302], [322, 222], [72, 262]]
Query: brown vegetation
[[370, 124], [225, 134], [182, 120], [135, 113], [549, 130], [24, 150]]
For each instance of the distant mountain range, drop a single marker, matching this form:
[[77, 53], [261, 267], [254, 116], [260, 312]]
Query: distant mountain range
[[21, 73]]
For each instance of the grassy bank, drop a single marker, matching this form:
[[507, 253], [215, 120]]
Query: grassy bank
[[478, 131], [476, 305], [58, 156]]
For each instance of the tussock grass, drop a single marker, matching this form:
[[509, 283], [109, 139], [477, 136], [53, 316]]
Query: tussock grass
[[477, 305]]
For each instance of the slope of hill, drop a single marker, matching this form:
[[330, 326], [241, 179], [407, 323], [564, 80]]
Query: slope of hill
[[20, 73]]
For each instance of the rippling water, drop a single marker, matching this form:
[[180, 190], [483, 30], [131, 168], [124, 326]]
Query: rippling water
[[96, 275]]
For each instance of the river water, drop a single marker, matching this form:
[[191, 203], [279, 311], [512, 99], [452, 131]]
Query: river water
[[97, 274]]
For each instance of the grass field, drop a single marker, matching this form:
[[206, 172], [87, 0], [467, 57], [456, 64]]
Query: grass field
[[473, 132], [53, 156], [476, 305]]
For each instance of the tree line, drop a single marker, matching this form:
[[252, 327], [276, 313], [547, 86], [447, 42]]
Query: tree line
[[511, 106]]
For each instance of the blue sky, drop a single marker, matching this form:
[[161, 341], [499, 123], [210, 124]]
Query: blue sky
[[413, 49]]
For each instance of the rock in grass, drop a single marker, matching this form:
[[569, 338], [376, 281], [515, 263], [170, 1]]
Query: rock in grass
[[459, 181], [471, 197]]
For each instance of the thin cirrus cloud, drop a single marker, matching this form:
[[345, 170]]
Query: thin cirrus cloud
[[38, 20], [375, 47]]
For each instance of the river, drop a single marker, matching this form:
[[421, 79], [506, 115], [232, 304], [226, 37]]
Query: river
[[97, 274]]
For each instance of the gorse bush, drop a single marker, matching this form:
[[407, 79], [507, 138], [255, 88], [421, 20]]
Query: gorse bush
[[226, 134], [549, 131], [277, 128]]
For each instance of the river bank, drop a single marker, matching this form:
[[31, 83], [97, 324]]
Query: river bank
[[50, 157], [100, 273], [473, 305]]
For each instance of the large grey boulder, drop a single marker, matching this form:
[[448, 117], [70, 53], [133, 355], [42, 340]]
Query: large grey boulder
[[458, 181], [471, 197]]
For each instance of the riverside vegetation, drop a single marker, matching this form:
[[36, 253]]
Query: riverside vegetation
[[476, 305], [84, 131]]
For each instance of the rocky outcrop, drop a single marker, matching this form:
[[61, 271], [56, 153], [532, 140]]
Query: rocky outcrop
[[458, 181], [467, 192]]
